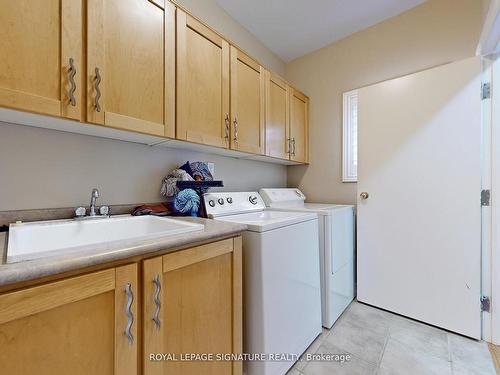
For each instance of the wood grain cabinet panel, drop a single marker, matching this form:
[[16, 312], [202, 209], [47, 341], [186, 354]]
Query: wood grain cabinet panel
[[193, 304], [202, 83], [149, 68], [247, 103], [299, 126], [37, 44], [130, 66], [74, 326], [277, 117]]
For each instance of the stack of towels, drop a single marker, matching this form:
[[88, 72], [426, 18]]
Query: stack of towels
[[179, 202]]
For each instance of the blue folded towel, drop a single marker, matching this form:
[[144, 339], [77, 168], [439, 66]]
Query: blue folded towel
[[187, 201]]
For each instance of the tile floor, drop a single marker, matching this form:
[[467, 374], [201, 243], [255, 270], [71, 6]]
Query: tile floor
[[382, 343]]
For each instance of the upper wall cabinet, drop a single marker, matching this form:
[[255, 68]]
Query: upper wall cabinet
[[287, 124], [277, 117], [247, 103], [299, 126], [147, 67], [41, 62], [130, 65], [202, 83]]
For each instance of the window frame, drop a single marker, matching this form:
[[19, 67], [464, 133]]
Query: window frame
[[348, 172]]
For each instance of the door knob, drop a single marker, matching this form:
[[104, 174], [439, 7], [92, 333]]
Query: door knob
[[364, 195]]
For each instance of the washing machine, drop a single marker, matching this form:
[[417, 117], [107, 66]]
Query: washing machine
[[281, 278], [336, 241]]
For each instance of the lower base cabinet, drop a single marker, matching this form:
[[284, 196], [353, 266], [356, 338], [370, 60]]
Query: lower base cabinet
[[98, 323], [79, 326], [193, 306]]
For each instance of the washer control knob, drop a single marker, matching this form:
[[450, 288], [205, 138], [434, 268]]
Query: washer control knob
[[221, 201], [252, 199], [211, 202], [229, 200]]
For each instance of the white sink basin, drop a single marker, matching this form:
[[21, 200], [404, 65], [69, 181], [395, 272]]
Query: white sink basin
[[43, 238]]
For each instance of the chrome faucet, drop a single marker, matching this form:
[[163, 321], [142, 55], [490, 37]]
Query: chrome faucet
[[81, 212], [93, 199]]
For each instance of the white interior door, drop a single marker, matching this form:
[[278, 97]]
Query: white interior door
[[495, 192], [419, 229]]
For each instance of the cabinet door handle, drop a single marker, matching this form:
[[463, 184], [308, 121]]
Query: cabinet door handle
[[72, 74], [293, 144], [97, 90], [226, 123], [130, 315], [156, 316], [235, 123]]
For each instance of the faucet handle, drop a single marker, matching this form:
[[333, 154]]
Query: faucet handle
[[80, 212], [104, 210]]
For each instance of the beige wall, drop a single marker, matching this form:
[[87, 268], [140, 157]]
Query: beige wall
[[42, 168], [485, 5], [215, 16], [434, 33]]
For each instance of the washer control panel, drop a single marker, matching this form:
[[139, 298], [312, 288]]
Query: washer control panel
[[221, 204]]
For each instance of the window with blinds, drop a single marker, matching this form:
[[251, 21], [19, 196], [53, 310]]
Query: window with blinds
[[350, 136]]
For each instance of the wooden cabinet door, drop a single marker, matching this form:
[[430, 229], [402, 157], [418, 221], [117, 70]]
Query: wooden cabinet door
[[130, 65], [75, 326], [299, 126], [38, 41], [202, 83], [193, 304], [247, 103], [277, 117]]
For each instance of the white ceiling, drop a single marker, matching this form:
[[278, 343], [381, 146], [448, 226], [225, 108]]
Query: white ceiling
[[293, 28]]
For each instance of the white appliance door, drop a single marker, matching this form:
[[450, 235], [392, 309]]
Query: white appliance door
[[282, 294], [419, 229]]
